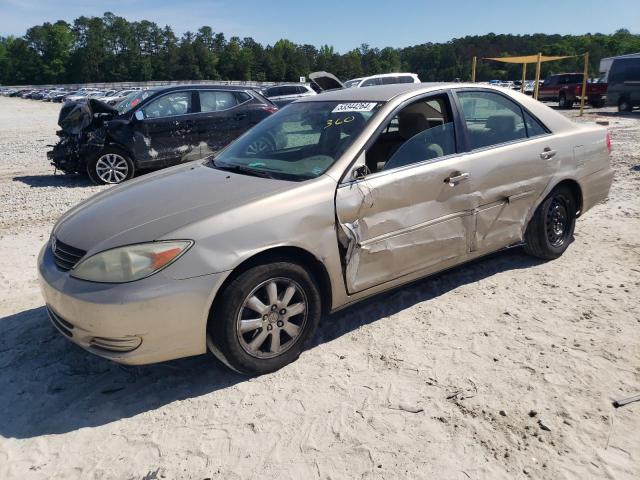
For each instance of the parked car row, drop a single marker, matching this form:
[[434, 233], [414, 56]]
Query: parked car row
[[61, 94]]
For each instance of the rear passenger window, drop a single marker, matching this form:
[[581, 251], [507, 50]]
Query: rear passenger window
[[390, 80], [216, 101], [491, 119], [534, 127], [405, 79], [274, 92]]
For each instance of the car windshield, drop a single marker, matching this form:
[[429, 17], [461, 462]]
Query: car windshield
[[132, 100], [299, 142]]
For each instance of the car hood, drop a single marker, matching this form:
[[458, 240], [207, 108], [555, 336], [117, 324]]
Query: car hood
[[76, 116], [324, 81], [151, 207]]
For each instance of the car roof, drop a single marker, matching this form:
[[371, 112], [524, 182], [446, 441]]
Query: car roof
[[382, 93], [167, 88], [555, 121]]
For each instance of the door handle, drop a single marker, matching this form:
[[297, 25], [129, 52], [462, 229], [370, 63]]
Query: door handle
[[240, 116], [456, 178], [547, 154]]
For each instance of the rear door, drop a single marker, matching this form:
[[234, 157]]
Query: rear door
[[222, 118], [512, 159], [164, 133]]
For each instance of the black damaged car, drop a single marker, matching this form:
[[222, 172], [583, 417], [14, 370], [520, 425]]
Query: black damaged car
[[154, 128]]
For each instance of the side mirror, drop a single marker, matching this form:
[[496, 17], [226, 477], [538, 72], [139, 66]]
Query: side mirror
[[139, 115], [360, 172]]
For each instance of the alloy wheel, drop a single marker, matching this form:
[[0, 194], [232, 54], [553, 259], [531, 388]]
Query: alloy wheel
[[112, 168], [259, 146], [272, 317]]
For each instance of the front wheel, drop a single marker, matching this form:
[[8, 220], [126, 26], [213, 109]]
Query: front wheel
[[110, 166], [551, 228], [262, 145], [264, 318]]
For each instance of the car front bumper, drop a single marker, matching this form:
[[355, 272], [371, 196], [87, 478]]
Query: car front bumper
[[146, 321]]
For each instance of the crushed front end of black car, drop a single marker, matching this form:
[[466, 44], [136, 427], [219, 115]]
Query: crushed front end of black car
[[82, 134]]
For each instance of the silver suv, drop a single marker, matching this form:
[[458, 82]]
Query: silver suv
[[283, 95]]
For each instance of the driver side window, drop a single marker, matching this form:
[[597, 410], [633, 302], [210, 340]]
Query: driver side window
[[420, 131], [170, 105]]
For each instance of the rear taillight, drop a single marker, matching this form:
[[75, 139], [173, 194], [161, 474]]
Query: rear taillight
[[270, 108], [608, 141], [578, 89]]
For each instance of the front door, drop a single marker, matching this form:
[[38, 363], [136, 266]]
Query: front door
[[165, 130], [412, 210]]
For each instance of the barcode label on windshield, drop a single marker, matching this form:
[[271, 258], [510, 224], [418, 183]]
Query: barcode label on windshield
[[354, 107]]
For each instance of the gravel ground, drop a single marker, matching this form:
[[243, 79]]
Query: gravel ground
[[505, 368]]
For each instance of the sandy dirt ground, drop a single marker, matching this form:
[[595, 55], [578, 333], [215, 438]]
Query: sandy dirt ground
[[505, 368]]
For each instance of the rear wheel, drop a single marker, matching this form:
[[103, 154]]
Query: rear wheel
[[265, 317], [624, 105], [564, 102], [110, 166], [550, 231]]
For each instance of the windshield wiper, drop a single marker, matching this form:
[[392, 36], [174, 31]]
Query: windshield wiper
[[240, 169]]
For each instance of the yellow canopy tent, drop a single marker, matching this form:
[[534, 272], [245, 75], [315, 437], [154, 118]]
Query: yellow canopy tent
[[538, 59]]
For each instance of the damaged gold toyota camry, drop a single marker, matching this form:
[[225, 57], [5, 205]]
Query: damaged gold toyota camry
[[357, 191]]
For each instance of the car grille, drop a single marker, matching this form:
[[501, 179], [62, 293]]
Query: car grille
[[66, 256], [60, 323]]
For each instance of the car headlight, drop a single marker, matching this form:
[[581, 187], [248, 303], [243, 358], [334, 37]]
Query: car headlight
[[129, 263]]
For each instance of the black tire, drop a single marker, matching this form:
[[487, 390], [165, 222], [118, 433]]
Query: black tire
[[233, 347], [597, 103], [551, 228], [624, 106], [564, 102], [123, 170]]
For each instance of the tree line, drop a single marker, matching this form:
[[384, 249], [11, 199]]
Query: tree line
[[112, 49]]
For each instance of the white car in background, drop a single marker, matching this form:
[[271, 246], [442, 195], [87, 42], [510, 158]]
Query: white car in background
[[282, 95], [382, 79], [118, 96]]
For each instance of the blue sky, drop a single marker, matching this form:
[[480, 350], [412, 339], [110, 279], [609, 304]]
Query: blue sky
[[344, 24]]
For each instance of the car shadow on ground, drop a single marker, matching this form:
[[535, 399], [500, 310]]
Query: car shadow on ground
[[50, 386], [54, 180]]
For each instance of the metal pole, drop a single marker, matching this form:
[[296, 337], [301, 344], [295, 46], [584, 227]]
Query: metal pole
[[524, 76], [537, 87], [473, 69], [584, 82]]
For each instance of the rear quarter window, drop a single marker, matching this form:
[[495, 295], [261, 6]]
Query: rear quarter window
[[242, 97]]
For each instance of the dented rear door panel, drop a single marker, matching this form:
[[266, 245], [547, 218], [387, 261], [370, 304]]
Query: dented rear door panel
[[507, 181], [403, 221]]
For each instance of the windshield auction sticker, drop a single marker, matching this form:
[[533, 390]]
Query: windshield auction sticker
[[354, 107]]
